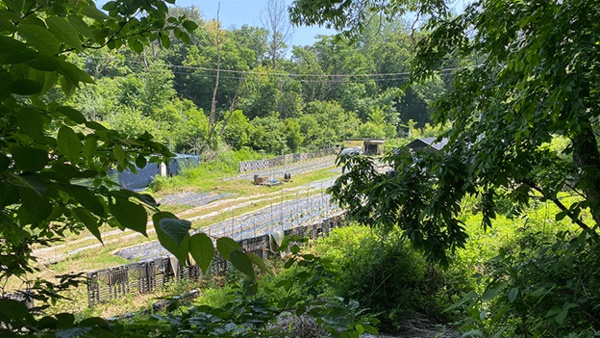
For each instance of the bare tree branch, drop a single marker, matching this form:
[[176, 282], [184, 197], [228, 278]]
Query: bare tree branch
[[275, 19]]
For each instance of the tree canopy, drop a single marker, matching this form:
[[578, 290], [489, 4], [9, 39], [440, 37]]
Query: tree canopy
[[534, 80]]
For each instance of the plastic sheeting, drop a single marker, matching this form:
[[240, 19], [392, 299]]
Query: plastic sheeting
[[146, 175]]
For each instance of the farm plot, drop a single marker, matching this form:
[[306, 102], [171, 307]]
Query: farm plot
[[311, 206], [293, 168], [189, 198]]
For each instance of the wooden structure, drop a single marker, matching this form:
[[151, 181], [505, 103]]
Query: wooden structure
[[150, 275], [367, 146]]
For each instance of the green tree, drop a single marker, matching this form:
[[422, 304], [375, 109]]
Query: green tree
[[529, 85], [237, 131], [267, 134], [54, 162], [376, 127], [294, 137], [312, 76]]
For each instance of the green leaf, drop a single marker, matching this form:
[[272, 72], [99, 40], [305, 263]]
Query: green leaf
[[562, 315], [109, 6], [40, 38], [14, 311], [561, 215], [370, 329], [494, 291], [45, 79], [69, 144], [202, 250], [147, 199], [120, 155], [8, 194], [81, 26], [89, 148], [294, 249], [185, 38], [46, 63], [165, 41], [87, 198], [289, 263], [512, 294], [15, 52], [259, 262], [37, 207], [472, 295], [241, 262], [175, 228], [29, 159], [179, 250], [75, 75], [15, 5], [129, 214], [94, 125], [5, 84], [140, 161], [226, 245], [64, 31], [89, 221], [135, 45], [473, 333], [94, 13], [72, 332], [73, 114], [30, 122], [32, 182], [189, 25], [25, 87]]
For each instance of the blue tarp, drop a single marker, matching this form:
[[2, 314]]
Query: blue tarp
[[131, 181], [180, 162]]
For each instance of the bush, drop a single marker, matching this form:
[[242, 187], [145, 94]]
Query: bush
[[383, 273], [539, 287]]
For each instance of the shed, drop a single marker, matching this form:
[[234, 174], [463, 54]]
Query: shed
[[428, 144], [373, 147], [365, 146]]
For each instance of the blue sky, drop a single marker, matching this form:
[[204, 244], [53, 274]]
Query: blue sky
[[239, 12]]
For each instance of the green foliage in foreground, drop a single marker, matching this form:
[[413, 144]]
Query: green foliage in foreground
[[540, 287], [277, 308], [382, 272], [47, 149]]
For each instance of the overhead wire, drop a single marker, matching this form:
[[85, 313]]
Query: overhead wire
[[331, 78], [334, 80]]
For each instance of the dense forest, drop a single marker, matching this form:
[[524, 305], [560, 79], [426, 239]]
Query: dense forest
[[244, 88]]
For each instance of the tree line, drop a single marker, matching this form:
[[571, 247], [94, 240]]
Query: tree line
[[238, 87]]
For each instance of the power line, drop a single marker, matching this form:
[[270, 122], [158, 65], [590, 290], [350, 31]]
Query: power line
[[249, 72], [325, 81]]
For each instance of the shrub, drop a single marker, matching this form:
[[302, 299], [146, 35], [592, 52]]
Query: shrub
[[539, 287], [383, 273]]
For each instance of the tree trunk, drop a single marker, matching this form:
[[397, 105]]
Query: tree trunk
[[213, 106], [587, 160]]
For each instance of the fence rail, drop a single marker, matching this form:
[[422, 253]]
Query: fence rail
[[147, 276], [283, 160]]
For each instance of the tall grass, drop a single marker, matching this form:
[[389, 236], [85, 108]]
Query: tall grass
[[207, 173]]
